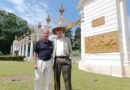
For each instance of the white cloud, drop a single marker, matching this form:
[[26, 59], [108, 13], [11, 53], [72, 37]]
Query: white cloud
[[9, 10], [43, 4], [17, 2], [32, 11]]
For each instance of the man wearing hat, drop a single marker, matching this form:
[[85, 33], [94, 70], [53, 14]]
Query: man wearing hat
[[61, 55]]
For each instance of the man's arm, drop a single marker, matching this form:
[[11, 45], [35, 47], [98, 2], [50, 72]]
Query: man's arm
[[70, 47], [35, 60], [53, 54], [35, 55]]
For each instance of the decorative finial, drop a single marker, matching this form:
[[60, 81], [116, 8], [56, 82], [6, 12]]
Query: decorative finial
[[39, 25], [32, 30], [61, 10], [27, 33], [24, 35], [21, 37], [48, 19], [16, 37]]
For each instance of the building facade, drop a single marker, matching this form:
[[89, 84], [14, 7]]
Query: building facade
[[104, 37]]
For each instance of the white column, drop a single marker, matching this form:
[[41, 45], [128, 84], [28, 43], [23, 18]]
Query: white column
[[13, 49], [20, 49], [124, 28], [26, 52], [37, 35], [124, 38], [23, 48], [31, 49]]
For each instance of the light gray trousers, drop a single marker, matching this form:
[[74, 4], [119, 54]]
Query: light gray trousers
[[43, 73]]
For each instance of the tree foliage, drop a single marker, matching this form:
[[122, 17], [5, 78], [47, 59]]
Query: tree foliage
[[10, 25], [68, 33], [77, 39]]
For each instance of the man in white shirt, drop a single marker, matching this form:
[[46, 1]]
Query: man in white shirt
[[61, 55]]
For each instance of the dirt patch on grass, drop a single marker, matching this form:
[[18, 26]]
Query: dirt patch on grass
[[20, 78]]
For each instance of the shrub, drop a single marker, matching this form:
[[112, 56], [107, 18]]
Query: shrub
[[12, 58]]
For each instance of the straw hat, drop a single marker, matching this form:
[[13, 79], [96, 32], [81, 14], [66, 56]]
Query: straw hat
[[57, 28]]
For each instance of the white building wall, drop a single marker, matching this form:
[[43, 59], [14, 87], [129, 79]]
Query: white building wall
[[99, 8], [93, 10], [104, 63]]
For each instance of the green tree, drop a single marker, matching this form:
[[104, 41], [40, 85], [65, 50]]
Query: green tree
[[68, 33], [10, 25], [77, 39]]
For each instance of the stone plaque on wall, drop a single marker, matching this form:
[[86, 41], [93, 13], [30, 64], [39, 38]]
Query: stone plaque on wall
[[98, 21], [102, 43]]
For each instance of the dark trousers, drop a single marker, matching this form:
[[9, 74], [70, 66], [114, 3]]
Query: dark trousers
[[62, 64]]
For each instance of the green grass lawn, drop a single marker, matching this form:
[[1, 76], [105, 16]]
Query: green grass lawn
[[11, 72]]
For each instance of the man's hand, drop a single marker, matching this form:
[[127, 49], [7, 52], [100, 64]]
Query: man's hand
[[35, 66]]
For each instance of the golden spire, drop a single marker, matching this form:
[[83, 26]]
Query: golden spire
[[48, 19], [61, 10], [32, 30], [16, 37], [27, 33], [24, 35], [19, 38], [39, 25]]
